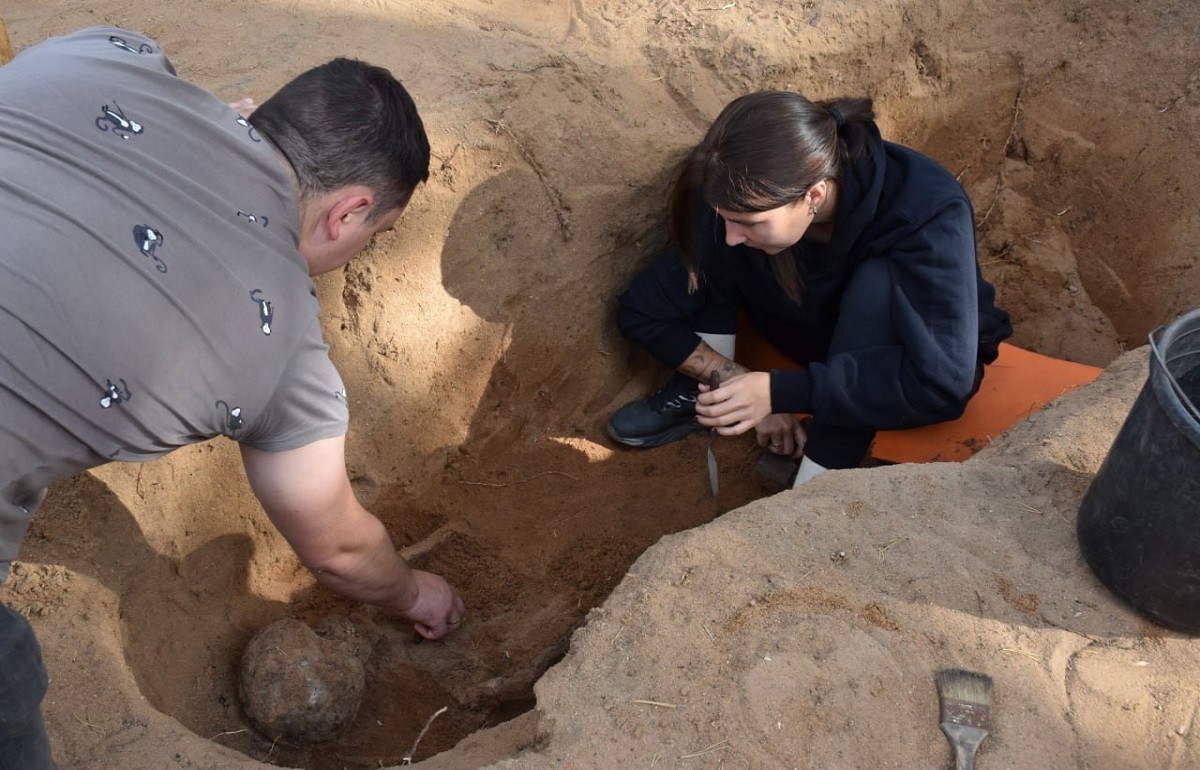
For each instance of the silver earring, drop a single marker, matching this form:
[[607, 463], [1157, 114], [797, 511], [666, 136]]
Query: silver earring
[[812, 210]]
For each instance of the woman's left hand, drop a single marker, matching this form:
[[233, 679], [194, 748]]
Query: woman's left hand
[[782, 434], [737, 405]]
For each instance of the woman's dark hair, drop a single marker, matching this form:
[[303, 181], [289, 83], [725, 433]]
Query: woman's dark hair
[[347, 122], [764, 151]]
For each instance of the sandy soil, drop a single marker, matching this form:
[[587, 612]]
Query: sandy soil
[[663, 628]]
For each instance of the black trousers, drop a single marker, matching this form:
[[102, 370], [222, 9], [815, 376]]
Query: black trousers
[[23, 740]]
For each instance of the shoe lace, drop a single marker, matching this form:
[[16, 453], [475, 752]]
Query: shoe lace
[[673, 395]]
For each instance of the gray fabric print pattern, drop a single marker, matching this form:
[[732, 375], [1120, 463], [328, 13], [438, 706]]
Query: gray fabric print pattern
[[253, 219], [250, 130], [148, 239], [232, 418], [119, 42], [115, 394], [113, 119], [266, 312]]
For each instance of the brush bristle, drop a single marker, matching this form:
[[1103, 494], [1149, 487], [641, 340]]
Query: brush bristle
[[965, 686]]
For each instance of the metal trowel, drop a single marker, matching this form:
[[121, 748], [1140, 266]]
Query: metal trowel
[[714, 382]]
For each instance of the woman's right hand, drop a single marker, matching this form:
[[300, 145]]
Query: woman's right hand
[[782, 434], [739, 404]]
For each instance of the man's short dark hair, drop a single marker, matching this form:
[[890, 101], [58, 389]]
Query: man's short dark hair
[[348, 122]]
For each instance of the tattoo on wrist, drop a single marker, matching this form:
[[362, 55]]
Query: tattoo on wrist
[[701, 367], [729, 368]]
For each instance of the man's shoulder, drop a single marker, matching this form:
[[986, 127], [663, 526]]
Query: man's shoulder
[[97, 46]]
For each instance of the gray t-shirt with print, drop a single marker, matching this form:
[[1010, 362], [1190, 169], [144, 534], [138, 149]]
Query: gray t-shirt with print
[[151, 292]]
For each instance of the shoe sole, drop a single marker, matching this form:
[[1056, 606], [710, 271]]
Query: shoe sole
[[668, 436]]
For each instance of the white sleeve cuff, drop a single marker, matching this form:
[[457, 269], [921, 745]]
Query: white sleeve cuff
[[808, 469], [725, 344]]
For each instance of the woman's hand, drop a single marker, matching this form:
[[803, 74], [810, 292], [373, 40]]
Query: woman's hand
[[782, 434], [740, 403]]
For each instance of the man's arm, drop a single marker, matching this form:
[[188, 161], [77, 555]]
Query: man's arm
[[307, 495]]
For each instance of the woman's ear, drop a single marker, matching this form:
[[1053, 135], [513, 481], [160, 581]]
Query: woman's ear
[[818, 194]]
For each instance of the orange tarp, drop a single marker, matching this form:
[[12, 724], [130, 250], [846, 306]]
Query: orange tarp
[[1016, 385]]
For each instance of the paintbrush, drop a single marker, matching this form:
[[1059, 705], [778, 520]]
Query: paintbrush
[[966, 712]]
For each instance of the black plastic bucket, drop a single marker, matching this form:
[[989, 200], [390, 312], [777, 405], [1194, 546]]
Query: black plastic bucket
[[1139, 523]]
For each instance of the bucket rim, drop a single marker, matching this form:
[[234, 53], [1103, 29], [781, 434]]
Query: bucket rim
[[1173, 333]]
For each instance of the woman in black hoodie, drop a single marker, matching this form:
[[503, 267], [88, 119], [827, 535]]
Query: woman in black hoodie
[[853, 256]]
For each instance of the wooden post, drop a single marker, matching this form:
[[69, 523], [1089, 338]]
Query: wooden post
[[6, 52]]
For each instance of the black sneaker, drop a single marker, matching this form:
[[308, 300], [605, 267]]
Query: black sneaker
[[664, 416]]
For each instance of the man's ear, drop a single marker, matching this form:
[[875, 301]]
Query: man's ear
[[347, 208]]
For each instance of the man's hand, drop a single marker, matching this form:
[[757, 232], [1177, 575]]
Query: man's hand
[[782, 434], [308, 497], [244, 107], [428, 614], [740, 404]]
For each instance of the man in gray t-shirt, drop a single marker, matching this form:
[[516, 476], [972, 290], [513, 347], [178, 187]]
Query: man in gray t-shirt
[[155, 291]]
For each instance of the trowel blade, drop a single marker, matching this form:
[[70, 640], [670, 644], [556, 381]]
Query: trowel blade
[[714, 382], [713, 482]]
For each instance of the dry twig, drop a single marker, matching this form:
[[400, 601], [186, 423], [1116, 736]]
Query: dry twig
[[1029, 655], [228, 732], [1026, 506], [448, 161], [556, 197], [518, 481], [1012, 134], [1012, 129], [555, 60], [886, 544], [408, 758], [1175, 101], [86, 721], [715, 747]]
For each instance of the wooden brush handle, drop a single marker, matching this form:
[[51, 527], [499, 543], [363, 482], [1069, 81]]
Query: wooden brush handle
[[965, 739]]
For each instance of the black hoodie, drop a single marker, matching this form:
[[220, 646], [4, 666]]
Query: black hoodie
[[894, 204]]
